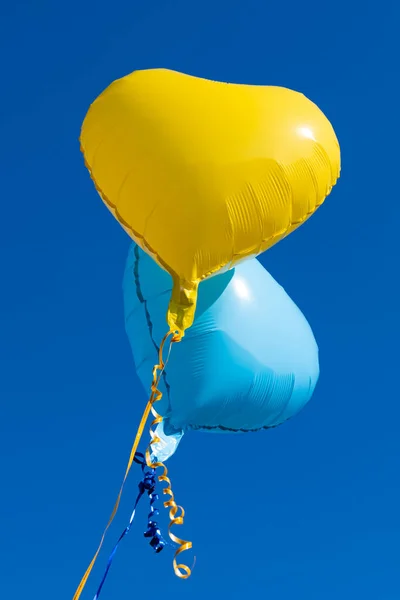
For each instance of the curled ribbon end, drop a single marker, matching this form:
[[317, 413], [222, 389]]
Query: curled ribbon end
[[182, 571]]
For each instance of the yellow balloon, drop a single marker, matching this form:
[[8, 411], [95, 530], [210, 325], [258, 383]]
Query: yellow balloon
[[203, 174]]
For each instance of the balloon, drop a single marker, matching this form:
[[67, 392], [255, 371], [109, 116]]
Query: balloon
[[250, 360], [166, 445], [203, 174]]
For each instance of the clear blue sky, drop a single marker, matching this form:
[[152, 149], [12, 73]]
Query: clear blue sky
[[307, 511]]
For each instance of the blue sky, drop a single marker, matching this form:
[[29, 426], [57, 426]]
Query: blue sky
[[309, 510]]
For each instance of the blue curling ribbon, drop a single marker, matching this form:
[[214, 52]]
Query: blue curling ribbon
[[148, 484], [153, 532]]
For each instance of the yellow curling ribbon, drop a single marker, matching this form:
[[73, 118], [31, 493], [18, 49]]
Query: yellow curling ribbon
[[154, 397], [181, 570]]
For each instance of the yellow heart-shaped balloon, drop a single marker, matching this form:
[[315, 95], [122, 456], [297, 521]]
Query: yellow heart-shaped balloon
[[203, 174]]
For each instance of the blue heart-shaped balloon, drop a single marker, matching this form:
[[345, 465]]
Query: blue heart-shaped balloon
[[250, 360]]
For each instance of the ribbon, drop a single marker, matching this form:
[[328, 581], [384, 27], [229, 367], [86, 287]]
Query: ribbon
[[181, 570], [153, 532], [147, 484], [154, 397]]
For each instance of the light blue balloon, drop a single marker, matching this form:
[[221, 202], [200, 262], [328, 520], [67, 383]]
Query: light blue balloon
[[250, 360]]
